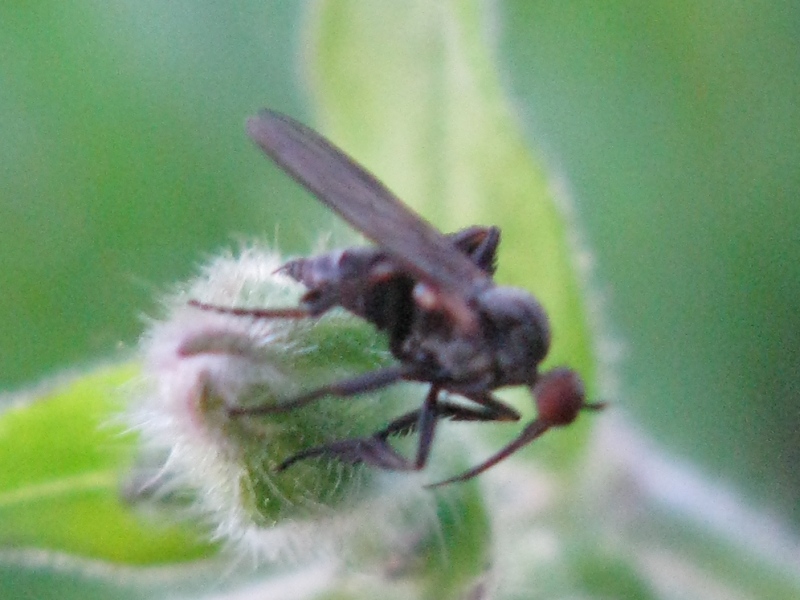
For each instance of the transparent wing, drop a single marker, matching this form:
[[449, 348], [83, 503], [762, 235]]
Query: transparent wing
[[364, 202]]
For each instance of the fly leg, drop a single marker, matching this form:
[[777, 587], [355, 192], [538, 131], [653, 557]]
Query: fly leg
[[373, 380], [255, 313], [376, 451], [485, 254], [559, 398], [432, 410]]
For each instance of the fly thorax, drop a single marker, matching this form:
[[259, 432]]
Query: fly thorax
[[444, 352], [517, 329], [465, 361]]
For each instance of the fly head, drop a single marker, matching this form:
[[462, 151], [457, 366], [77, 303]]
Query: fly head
[[519, 332]]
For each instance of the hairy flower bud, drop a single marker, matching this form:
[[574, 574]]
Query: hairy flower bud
[[200, 363]]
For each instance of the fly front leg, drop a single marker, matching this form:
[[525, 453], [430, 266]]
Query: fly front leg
[[560, 397], [501, 410]]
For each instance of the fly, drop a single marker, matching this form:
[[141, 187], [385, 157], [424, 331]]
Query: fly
[[448, 323]]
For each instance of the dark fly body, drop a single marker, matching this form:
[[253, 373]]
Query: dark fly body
[[448, 323], [370, 284]]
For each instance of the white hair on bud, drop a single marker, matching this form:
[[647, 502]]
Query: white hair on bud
[[197, 362]]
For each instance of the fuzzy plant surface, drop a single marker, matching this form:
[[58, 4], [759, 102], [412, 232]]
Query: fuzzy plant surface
[[134, 480]]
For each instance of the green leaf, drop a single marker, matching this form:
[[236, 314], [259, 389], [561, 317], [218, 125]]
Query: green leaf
[[65, 458]]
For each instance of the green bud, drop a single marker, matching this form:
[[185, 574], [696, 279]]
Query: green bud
[[199, 363]]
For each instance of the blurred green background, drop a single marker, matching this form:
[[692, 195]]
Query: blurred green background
[[123, 164]]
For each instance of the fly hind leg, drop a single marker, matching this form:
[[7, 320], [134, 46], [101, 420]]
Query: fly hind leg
[[255, 313]]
